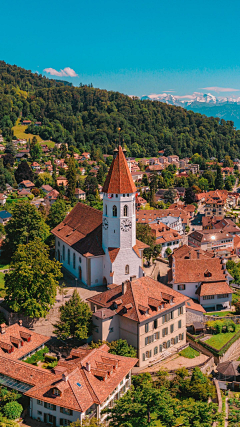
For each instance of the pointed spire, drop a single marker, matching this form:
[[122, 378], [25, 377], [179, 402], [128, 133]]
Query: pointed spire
[[119, 179]]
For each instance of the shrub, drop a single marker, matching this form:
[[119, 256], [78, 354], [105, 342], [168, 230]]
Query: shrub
[[12, 410]]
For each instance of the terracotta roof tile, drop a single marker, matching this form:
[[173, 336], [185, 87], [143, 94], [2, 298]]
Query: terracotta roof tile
[[138, 293], [194, 270], [119, 179], [113, 252], [214, 289]]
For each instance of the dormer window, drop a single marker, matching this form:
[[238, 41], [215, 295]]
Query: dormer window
[[56, 392], [207, 273]]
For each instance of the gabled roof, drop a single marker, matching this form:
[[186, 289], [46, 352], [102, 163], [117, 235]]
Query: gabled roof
[[141, 299], [197, 270], [5, 215], [119, 179], [187, 252], [82, 230], [214, 289]]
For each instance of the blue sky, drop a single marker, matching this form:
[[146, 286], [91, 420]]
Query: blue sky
[[134, 47]]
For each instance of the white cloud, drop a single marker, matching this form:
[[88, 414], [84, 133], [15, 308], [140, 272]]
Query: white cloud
[[221, 89], [66, 72]]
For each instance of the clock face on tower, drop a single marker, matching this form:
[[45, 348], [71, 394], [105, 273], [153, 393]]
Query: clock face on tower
[[105, 224], [126, 225]]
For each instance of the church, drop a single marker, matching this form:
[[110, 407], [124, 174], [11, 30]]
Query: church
[[101, 247]]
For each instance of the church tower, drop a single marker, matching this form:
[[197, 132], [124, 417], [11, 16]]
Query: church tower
[[119, 223]]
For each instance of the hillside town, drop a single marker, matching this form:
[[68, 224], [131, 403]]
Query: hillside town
[[143, 255]]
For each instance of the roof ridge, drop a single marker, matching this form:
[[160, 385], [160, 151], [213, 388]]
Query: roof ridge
[[74, 391], [91, 389], [134, 301]]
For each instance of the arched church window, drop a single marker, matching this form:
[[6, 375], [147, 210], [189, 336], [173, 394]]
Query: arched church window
[[114, 210], [74, 260], [68, 256], [105, 209], [127, 269], [63, 253], [125, 211]]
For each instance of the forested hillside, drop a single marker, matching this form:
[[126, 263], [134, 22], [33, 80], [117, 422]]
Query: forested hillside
[[85, 116]]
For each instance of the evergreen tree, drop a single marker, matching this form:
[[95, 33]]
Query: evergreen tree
[[75, 319], [35, 150], [23, 172], [189, 197], [57, 213], [10, 149], [219, 184], [72, 179], [2, 177]]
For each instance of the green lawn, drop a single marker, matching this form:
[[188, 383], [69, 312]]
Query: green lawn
[[2, 286], [219, 340], [189, 353], [3, 265], [220, 313], [19, 132]]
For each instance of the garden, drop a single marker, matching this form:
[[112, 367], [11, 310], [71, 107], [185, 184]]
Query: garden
[[43, 359], [223, 331], [189, 353], [234, 411]]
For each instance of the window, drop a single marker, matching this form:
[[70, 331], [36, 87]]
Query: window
[[148, 354], [105, 209], [179, 324], [56, 392], [160, 348], [168, 343], [63, 253], [156, 336], [148, 340], [143, 357], [58, 243], [68, 256], [223, 296], [125, 211], [64, 422], [181, 337], [208, 297], [180, 311], [147, 327], [114, 210], [40, 402], [74, 261], [155, 324], [167, 317], [176, 340], [110, 329], [127, 269], [165, 332], [39, 412], [80, 260], [66, 411], [155, 350], [181, 287], [50, 406], [171, 328]]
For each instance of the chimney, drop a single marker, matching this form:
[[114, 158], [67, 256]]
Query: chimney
[[198, 254], [20, 322], [2, 328], [132, 278], [124, 287], [88, 367], [65, 377]]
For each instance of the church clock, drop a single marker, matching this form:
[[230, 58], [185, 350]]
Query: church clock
[[105, 224], [126, 225]]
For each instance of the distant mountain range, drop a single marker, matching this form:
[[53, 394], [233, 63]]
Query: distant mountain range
[[222, 107]]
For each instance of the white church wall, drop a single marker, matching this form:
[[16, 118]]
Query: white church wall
[[96, 271], [126, 256]]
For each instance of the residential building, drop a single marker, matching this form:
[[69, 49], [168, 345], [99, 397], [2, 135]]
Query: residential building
[[3, 198], [172, 218], [215, 201], [173, 159], [5, 216], [211, 240], [27, 185], [51, 197], [146, 313], [61, 180], [101, 247], [166, 237], [202, 278], [80, 194], [46, 188], [80, 386]]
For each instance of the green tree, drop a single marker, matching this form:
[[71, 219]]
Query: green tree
[[228, 183], [72, 179], [12, 410], [57, 213], [26, 224], [75, 319], [227, 163], [35, 150], [88, 422], [2, 177], [31, 284], [122, 348], [23, 172], [203, 184], [219, 184], [170, 195], [189, 197], [168, 251], [10, 149], [144, 234]]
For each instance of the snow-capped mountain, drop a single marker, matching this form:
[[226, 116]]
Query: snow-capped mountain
[[186, 100], [222, 107]]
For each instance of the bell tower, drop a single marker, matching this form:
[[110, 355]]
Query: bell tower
[[119, 217]]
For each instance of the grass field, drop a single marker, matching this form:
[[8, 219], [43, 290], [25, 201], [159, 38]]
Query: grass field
[[220, 313], [189, 353], [2, 286], [19, 132], [219, 340]]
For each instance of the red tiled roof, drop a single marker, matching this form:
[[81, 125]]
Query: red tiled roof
[[82, 230], [194, 305], [113, 252], [138, 293], [81, 388], [187, 252], [213, 289], [119, 179], [140, 245], [17, 332], [194, 270]]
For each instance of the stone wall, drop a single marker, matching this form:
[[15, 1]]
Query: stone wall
[[233, 353], [193, 316]]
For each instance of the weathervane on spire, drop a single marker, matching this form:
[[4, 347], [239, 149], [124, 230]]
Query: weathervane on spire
[[119, 130]]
